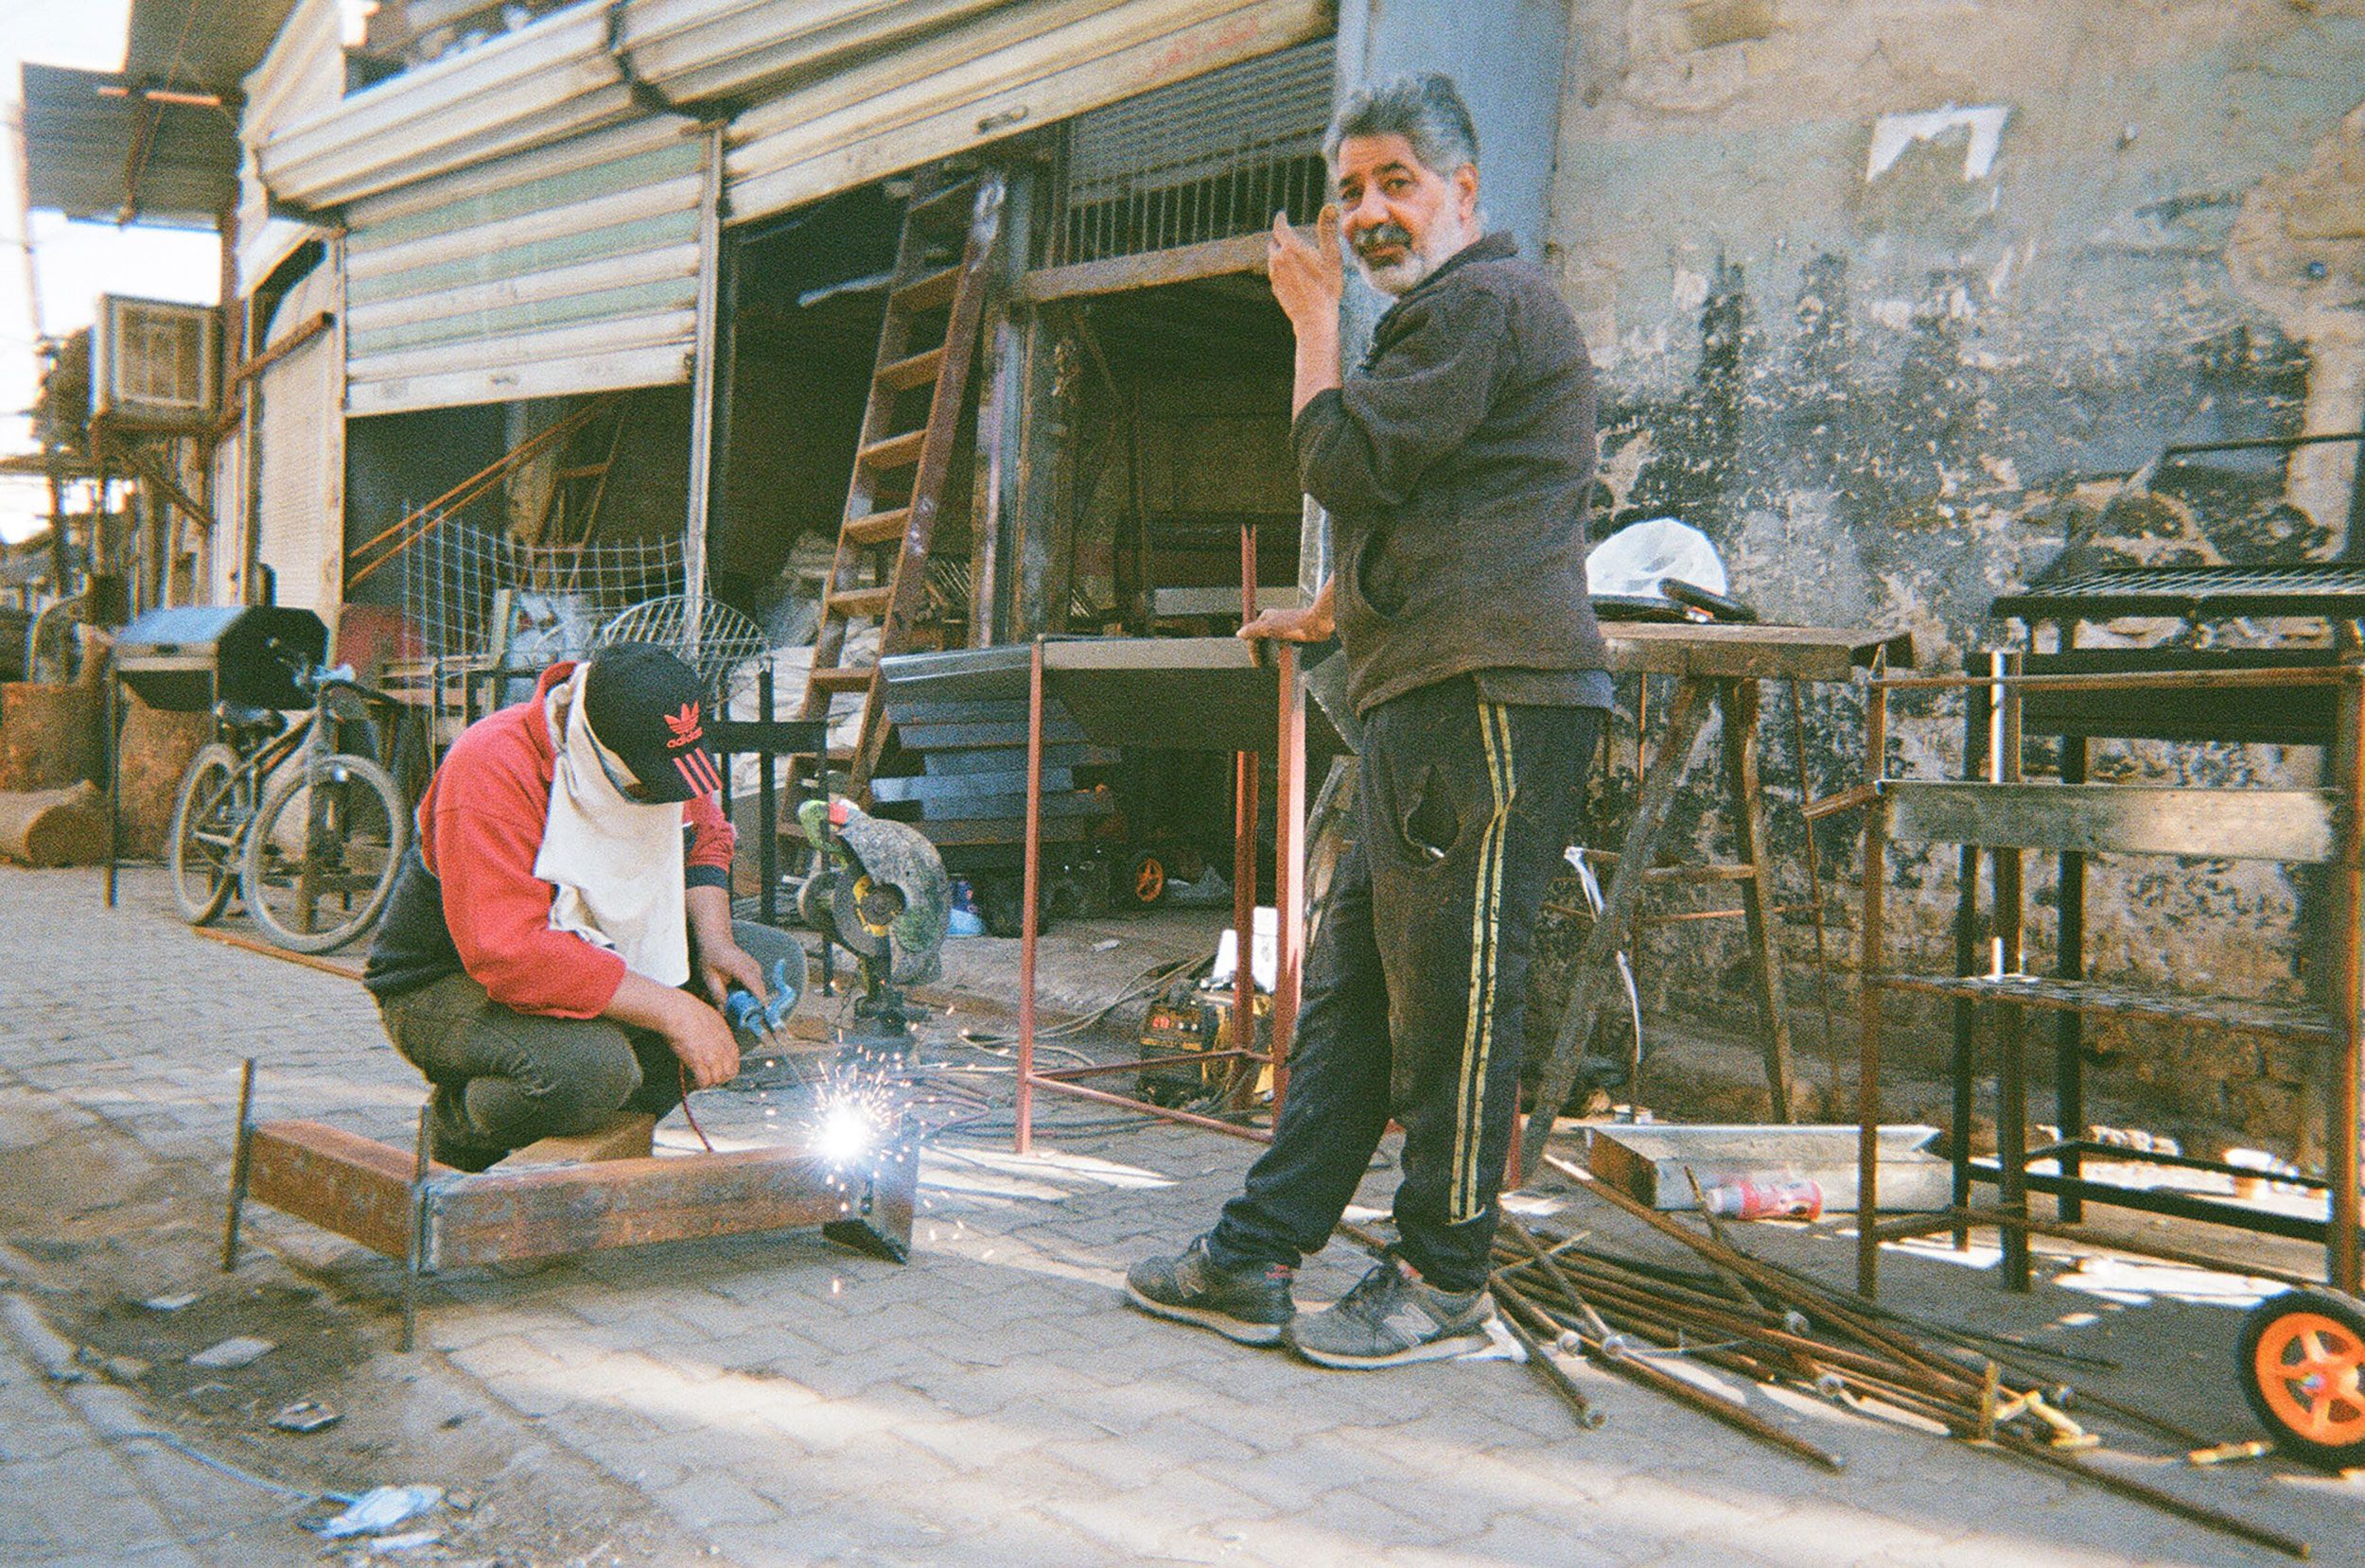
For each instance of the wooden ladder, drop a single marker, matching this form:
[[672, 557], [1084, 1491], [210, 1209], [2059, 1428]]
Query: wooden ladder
[[934, 305]]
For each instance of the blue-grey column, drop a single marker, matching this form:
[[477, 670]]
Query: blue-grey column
[[1508, 58]]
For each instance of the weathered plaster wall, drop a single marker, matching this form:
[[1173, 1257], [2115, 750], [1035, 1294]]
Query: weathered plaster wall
[[1896, 374]]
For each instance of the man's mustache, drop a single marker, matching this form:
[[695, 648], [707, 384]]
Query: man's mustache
[[1381, 235]]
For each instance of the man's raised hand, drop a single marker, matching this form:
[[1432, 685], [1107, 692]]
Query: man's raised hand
[[1307, 280]]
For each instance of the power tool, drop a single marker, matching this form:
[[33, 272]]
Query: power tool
[[880, 890]]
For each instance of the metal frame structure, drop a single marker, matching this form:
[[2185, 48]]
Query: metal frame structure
[[1051, 665], [1718, 665], [2006, 818]]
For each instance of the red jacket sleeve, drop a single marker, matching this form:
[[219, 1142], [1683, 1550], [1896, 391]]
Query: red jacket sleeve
[[711, 841], [485, 828]]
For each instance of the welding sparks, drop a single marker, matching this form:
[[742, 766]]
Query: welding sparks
[[846, 1133]]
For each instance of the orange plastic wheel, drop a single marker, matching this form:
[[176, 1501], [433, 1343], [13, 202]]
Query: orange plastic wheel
[[1149, 878], [2303, 1366]]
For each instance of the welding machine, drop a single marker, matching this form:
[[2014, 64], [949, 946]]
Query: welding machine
[[1187, 1022]]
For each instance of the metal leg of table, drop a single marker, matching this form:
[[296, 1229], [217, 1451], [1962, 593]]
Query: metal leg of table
[[1745, 798], [2012, 1138], [1875, 859], [1962, 1059], [1685, 721], [1030, 889], [2069, 1028]]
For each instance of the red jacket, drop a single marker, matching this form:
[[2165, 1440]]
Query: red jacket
[[479, 903]]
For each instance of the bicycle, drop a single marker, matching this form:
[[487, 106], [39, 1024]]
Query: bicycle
[[309, 837]]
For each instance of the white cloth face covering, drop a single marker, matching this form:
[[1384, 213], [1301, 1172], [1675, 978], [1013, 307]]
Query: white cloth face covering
[[616, 862]]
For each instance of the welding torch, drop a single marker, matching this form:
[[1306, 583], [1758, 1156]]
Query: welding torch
[[762, 1020]]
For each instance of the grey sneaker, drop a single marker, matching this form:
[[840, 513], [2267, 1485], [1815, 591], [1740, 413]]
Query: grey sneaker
[[1392, 1318], [1251, 1306]]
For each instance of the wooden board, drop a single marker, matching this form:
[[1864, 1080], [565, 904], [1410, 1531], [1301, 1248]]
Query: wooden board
[[2127, 819], [340, 1181]]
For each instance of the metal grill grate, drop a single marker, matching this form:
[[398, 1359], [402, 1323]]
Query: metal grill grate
[[1207, 159], [2303, 588]]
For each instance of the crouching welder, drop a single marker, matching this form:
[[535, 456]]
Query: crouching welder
[[1455, 464], [570, 877]]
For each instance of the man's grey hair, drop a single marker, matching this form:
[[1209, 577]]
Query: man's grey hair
[[1424, 110]]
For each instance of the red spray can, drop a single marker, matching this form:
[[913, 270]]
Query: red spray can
[[1759, 1197]]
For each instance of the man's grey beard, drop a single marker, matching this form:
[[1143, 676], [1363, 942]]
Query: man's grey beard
[[1444, 241]]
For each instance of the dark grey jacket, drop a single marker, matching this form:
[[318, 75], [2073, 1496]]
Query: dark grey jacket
[[1455, 466]]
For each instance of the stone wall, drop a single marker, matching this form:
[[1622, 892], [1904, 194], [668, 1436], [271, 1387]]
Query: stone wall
[[1899, 302]]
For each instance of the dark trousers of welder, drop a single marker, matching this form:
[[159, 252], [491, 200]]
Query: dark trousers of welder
[[504, 1079], [1414, 987]]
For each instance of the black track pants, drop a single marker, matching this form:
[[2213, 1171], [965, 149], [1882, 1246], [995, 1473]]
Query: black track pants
[[1415, 986]]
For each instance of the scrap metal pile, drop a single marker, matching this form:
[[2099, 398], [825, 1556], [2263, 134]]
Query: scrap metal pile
[[1630, 1316]]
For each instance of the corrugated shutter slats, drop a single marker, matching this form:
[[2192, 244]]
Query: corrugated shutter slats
[[573, 268]]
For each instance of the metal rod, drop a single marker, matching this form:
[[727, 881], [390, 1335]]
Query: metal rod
[[1029, 925], [1869, 998], [2259, 444], [768, 809], [1549, 1373], [2340, 1257], [240, 1152], [1712, 1405], [1815, 882], [694, 553], [414, 1255], [1187, 1060], [2131, 680], [1168, 1113], [1289, 867]]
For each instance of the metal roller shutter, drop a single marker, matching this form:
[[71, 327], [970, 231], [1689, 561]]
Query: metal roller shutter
[[569, 269], [301, 474], [1021, 66]]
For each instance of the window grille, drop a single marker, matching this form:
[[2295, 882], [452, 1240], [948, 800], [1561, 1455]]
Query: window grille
[[1207, 159]]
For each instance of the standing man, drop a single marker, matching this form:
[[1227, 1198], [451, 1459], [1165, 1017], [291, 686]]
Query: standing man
[[569, 877], [1455, 466]]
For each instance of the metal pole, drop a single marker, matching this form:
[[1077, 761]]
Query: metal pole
[[1027, 923], [414, 1261], [1288, 868], [702, 392], [2341, 1163], [1876, 730], [240, 1151], [768, 809]]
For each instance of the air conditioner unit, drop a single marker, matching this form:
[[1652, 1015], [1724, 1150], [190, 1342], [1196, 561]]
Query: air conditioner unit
[[156, 364]]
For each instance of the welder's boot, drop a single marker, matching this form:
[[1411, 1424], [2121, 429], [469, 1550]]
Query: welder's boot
[[1249, 1305], [1392, 1318]]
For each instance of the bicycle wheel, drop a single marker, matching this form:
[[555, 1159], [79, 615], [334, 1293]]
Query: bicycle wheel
[[201, 848], [322, 853]]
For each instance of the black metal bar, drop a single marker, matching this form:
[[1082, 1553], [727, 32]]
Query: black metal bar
[[2099, 1150], [1978, 718], [241, 1149], [414, 1262], [2012, 1138], [2069, 1065], [2258, 443], [768, 809], [2153, 1200], [115, 772]]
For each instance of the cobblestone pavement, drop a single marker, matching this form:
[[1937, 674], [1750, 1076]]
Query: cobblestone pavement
[[773, 1401]]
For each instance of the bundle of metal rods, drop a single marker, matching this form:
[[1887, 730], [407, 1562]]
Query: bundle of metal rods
[[1740, 1313]]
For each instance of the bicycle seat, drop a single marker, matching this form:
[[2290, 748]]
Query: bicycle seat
[[245, 719]]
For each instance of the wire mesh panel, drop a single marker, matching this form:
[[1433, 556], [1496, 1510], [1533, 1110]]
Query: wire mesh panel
[[1206, 159], [474, 594], [723, 646]]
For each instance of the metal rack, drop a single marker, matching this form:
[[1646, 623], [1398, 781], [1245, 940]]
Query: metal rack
[[2005, 817]]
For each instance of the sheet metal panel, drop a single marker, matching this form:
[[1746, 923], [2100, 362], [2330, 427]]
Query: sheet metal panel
[[302, 74], [569, 269], [1016, 68], [551, 79], [699, 49], [75, 141], [300, 477]]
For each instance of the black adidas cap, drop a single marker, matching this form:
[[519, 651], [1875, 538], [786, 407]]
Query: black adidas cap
[[642, 704]]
